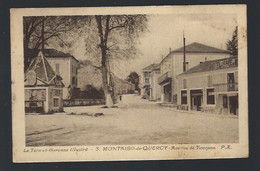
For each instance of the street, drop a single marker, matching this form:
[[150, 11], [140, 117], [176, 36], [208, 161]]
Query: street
[[135, 121]]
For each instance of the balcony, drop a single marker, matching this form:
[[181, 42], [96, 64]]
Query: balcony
[[164, 78], [226, 87]]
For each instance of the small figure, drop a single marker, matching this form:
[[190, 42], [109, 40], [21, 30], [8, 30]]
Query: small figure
[[120, 97]]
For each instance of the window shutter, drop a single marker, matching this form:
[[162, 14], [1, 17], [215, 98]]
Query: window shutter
[[210, 81], [184, 83]]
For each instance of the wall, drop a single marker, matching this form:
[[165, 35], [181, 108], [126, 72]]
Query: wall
[[156, 90], [51, 96], [64, 68], [73, 72], [65, 71], [83, 102]]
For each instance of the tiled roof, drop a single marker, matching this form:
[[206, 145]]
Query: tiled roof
[[42, 69], [213, 65], [199, 48], [53, 53], [151, 67]]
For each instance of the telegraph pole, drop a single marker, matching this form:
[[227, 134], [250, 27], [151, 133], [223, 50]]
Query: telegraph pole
[[184, 54], [43, 35]]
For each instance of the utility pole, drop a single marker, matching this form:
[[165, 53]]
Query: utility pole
[[43, 34], [184, 54]]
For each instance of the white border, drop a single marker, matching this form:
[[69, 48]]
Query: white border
[[18, 123]]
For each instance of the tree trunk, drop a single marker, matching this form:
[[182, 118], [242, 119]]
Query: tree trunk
[[103, 49], [107, 91]]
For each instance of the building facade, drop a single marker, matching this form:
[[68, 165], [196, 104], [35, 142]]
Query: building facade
[[150, 88], [211, 86], [65, 65], [43, 87], [172, 65]]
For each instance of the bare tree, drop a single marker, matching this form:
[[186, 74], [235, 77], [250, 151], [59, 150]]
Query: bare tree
[[54, 29], [117, 38]]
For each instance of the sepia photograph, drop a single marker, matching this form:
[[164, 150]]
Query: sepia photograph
[[168, 79]]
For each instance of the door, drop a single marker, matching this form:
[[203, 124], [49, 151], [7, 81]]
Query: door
[[197, 102], [196, 99], [233, 104]]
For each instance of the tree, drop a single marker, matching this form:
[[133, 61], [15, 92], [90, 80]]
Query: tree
[[117, 36], [232, 44], [46, 30], [133, 78]]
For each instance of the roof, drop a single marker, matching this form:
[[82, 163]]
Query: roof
[[151, 67], [53, 53], [42, 69], [213, 65], [196, 47]]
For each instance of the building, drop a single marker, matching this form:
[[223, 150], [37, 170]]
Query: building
[[89, 75], [151, 88], [122, 86], [211, 86], [173, 64], [65, 65], [42, 87]]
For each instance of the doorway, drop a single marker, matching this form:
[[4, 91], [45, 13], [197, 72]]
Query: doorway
[[233, 105], [167, 93], [196, 99]]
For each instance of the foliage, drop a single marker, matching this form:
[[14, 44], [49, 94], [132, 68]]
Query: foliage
[[133, 78], [232, 45]]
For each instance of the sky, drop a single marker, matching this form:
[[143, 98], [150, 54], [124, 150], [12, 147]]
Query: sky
[[166, 31]]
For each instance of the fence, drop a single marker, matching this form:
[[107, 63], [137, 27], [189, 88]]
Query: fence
[[83, 102]]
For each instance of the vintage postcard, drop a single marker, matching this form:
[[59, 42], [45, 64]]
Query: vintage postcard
[[129, 83]]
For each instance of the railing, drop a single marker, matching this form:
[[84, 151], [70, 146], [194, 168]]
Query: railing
[[226, 87], [165, 77]]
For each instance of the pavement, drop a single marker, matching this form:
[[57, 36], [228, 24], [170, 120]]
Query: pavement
[[135, 121]]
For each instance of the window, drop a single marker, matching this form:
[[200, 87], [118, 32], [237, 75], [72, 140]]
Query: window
[[146, 80], [74, 80], [57, 68], [184, 97], [210, 96], [56, 102]]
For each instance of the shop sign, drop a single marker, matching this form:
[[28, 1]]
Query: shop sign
[[227, 63]]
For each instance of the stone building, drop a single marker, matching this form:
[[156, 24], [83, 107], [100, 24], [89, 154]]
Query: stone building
[[172, 65], [211, 86], [43, 87]]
